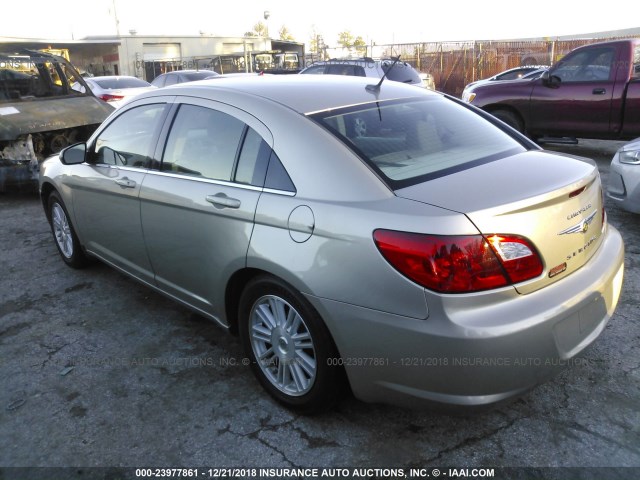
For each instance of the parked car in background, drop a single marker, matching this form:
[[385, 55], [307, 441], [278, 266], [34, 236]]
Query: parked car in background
[[428, 80], [593, 92], [337, 253], [367, 67], [181, 76], [115, 89], [624, 177], [527, 72]]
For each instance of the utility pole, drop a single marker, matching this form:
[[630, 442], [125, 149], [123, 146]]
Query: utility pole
[[115, 16]]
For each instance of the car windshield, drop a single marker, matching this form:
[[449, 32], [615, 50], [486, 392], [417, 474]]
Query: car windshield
[[123, 82], [413, 140], [28, 77]]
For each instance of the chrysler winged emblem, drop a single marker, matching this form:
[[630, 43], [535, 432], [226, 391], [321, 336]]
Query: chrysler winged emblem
[[581, 227]]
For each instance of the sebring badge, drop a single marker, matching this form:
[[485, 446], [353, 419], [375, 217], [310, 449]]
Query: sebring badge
[[581, 227]]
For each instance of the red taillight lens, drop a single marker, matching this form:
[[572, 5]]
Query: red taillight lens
[[110, 98], [459, 264]]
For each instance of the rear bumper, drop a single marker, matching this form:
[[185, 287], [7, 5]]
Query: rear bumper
[[480, 349]]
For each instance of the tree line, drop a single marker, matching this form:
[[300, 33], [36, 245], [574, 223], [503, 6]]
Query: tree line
[[316, 45]]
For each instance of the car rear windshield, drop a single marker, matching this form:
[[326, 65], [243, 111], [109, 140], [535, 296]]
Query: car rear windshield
[[401, 72], [414, 140], [116, 83]]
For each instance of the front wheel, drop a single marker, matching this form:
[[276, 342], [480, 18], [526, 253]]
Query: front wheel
[[63, 233], [510, 119], [290, 349]]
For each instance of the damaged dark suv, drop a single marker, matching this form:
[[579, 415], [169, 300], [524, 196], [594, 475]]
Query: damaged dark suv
[[40, 114]]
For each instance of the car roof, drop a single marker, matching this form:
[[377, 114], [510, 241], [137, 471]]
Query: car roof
[[302, 93], [113, 77], [177, 72]]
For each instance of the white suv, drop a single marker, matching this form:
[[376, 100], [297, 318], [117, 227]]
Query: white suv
[[367, 67]]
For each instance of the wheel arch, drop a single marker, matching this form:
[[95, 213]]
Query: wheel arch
[[45, 191], [236, 285], [493, 108]]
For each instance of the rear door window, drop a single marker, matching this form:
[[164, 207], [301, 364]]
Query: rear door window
[[203, 142]]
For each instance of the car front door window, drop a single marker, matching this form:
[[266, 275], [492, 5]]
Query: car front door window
[[586, 66], [127, 140]]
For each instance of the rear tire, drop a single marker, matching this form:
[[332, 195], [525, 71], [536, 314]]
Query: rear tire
[[289, 348], [510, 119], [64, 235]]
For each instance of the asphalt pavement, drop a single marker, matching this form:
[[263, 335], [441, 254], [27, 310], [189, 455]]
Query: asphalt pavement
[[99, 371]]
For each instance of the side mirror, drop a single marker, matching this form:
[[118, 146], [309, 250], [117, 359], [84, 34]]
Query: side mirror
[[74, 154], [549, 80]]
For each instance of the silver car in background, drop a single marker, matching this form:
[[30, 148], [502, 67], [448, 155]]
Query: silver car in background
[[115, 89], [437, 256], [624, 177], [181, 76]]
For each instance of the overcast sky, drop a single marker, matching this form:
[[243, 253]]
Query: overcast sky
[[381, 22]]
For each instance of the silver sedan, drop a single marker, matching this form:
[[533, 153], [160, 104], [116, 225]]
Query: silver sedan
[[624, 177], [386, 239]]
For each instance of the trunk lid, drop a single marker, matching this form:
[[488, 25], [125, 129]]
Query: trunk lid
[[554, 200]]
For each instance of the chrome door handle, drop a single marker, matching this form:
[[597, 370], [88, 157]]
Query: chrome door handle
[[125, 182], [220, 200]]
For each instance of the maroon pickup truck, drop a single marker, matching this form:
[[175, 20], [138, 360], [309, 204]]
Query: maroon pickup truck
[[593, 92]]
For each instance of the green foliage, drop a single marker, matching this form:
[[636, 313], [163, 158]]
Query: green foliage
[[285, 34], [259, 30], [360, 46], [345, 39]]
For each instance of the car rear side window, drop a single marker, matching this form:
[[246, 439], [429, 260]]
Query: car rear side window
[[414, 140], [254, 157], [203, 143], [258, 165], [127, 139], [277, 176]]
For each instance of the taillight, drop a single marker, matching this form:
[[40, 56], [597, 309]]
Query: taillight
[[110, 98], [459, 264]]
